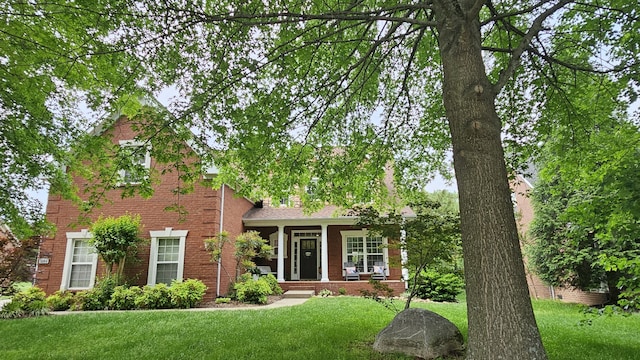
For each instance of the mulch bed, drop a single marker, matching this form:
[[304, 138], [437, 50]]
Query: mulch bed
[[237, 304]]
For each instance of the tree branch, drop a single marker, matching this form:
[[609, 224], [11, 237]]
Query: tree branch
[[497, 16], [385, 14], [516, 57]]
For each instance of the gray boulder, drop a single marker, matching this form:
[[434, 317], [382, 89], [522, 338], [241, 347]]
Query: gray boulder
[[420, 333]]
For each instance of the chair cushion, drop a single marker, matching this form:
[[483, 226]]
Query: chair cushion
[[377, 269], [351, 270]]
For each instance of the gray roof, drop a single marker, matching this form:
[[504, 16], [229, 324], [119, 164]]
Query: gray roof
[[295, 216]]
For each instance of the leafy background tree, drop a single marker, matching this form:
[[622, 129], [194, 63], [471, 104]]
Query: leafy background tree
[[276, 87], [48, 71], [17, 261], [587, 209]]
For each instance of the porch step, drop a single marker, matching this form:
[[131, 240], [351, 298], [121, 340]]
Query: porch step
[[298, 294]]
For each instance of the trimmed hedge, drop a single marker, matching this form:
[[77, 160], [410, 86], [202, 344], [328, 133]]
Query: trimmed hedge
[[106, 296]]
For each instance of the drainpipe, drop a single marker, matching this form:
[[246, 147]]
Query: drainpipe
[[35, 274], [221, 229]]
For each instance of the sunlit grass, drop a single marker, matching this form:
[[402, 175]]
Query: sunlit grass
[[322, 328]]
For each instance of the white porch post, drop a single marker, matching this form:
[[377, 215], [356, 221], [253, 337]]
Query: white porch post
[[324, 255], [280, 272]]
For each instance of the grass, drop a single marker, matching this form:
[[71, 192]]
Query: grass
[[322, 328], [19, 286]]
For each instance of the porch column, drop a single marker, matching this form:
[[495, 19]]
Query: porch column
[[280, 271], [324, 255]]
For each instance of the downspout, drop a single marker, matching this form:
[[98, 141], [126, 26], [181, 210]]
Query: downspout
[[221, 229], [404, 257], [35, 274]]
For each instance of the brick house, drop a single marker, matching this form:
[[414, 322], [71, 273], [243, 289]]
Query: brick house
[[309, 249], [522, 186]]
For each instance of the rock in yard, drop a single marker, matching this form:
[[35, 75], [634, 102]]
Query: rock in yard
[[420, 333]]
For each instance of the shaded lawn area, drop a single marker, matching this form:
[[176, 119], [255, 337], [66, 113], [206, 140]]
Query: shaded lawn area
[[322, 328]]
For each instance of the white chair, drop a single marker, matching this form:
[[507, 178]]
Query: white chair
[[351, 272], [379, 271]]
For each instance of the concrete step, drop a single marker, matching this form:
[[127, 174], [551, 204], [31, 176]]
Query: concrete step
[[298, 294]]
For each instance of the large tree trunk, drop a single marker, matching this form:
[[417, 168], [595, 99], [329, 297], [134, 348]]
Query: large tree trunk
[[500, 315]]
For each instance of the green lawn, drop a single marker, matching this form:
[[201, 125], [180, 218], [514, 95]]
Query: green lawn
[[322, 328], [20, 286]]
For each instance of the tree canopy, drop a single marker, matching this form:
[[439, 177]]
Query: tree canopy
[[289, 91], [587, 208]]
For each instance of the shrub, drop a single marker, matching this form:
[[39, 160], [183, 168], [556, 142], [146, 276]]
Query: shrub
[[273, 284], [12, 310], [223, 300], [253, 291], [88, 300], [342, 291], [187, 294], [381, 293], [31, 302], [439, 287], [60, 300], [154, 297], [98, 297], [325, 293], [124, 297]]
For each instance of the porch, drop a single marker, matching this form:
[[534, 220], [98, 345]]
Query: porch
[[309, 250], [350, 287]]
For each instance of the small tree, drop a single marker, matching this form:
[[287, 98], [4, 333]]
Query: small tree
[[214, 246], [249, 245], [431, 239], [16, 260], [115, 239]]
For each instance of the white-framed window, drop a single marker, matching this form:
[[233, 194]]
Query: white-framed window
[[285, 201], [273, 242], [312, 187], [80, 262], [166, 258], [363, 250], [134, 163]]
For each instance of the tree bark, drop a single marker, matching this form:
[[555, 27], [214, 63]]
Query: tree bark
[[501, 320]]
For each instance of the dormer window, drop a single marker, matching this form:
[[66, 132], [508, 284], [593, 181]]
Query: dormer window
[[134, 162], [285, 202], [312, 187]]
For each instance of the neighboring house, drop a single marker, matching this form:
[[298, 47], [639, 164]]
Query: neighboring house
[[522, 187], [7, 239], [309, 250]]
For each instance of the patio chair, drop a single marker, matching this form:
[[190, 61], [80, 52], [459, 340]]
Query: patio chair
[[265, 270], [379, 271], [351, 272]]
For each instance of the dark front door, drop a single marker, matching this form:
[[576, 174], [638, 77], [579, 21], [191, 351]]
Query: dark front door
[[308, 259]]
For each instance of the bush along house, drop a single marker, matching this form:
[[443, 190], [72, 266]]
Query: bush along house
[[309, 251]]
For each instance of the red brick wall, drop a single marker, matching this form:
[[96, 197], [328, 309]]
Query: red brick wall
[[202, 221], [579, 296], [350, 287]]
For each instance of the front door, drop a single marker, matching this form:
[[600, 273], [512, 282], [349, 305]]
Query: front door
[[308, 259]]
